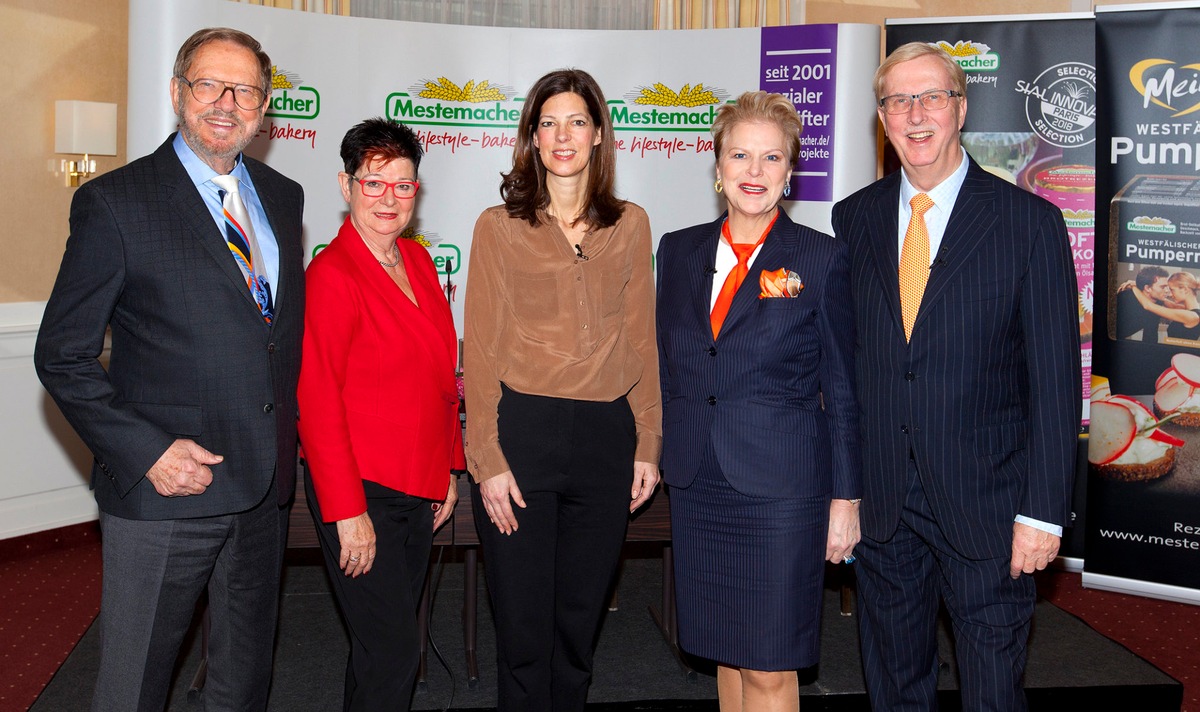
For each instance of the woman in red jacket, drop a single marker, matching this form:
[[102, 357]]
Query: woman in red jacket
[[379, 412]]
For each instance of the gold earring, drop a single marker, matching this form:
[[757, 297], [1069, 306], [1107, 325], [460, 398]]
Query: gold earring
[[717, 185]]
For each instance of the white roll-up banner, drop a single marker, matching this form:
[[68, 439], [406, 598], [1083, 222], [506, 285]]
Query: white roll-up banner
[[462, 88], [1143, 533]]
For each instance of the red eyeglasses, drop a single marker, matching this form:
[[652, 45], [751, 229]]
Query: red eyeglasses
[[374, 188]]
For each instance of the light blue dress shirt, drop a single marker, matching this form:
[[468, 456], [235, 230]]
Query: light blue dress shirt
[[202, 174]]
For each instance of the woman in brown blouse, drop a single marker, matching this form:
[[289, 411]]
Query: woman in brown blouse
[[564, 413]]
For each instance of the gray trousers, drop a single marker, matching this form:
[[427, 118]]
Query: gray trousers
[[155, 571]]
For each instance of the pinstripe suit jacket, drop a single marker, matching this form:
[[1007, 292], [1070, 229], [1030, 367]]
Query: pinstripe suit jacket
[[987, 394], [191, 356], [754, 392]]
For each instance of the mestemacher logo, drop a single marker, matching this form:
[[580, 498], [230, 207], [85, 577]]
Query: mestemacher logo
[[1079, 218], [445, 103], [970, 55], [1143, 223], [455, 109], [289, 100], [1159, 82], [659, 108], [447, 257], [448, 109], [692, 108]]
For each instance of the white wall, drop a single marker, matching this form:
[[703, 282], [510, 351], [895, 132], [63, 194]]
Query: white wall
[[44, 467], [45, 470]]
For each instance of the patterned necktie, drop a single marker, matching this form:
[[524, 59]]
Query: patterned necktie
[[736, 276], [239, 236], [914, 263]]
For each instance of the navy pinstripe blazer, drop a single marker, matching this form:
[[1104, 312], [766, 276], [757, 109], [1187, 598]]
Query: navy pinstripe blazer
[[755, 392], [191, 355], [987, 395]]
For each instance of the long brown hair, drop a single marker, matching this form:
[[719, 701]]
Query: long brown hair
[[524, 187]]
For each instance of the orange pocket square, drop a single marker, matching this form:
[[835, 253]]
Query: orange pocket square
[[780, 283]]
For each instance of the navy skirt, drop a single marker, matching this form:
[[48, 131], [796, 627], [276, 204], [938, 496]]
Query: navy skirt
[[749, 573]]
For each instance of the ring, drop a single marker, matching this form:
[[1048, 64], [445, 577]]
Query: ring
[[848, 559], [354, 558]]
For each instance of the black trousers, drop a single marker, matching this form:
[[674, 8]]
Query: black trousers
[[549, 581], [380, 607]]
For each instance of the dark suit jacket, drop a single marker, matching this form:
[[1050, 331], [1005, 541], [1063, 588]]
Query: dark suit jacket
[[191, 355], [987, 396], [1132, 317], [755, 393], [377, 392]]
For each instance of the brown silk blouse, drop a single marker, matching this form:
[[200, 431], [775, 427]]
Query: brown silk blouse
[[545, 321]]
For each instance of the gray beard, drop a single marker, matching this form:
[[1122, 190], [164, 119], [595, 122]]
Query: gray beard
[[201, 149]]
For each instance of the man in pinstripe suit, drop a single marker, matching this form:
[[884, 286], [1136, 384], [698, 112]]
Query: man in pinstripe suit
[[970, 423]]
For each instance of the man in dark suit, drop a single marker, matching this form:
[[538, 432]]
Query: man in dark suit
[[1132, 317], [193, 424], [970, 387]]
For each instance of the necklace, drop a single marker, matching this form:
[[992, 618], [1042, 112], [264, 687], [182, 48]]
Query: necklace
[[395, 250]]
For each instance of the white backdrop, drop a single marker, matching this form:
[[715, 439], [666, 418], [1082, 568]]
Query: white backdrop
[[343, 70]]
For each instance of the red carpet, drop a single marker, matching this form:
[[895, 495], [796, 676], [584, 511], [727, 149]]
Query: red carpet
[[1167, 634], [50, 594]]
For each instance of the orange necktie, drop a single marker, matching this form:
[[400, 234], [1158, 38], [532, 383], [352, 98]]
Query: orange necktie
[[736, 276], [914, 262]]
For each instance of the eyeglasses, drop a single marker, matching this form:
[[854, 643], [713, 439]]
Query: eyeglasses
[[210, 91], [403, 189], [931, 100]]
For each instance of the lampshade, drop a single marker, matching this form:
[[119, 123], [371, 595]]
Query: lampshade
[[85, 127]]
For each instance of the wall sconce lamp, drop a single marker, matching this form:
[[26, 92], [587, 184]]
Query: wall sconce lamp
[[84, 127]]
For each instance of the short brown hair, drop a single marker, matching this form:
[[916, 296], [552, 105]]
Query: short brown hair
[[187, 52], [915, 50], [524, 187], [760, 107], [379, 139], [1147, 276]]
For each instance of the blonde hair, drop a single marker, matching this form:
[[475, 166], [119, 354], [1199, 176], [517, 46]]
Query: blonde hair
[[760, 107], [1187, 279], [916, 50]]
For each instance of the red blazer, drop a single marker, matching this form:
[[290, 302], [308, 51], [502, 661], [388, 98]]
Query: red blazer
[[377, 395]]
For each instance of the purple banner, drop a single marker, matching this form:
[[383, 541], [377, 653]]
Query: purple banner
[[799, 62]]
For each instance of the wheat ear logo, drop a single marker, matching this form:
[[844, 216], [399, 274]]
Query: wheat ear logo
[[971, 56], [445, 90], [662, 95], [447, 258], [289, 100]]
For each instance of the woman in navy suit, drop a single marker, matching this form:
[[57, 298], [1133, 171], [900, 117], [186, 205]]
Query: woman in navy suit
[[760, 421]]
